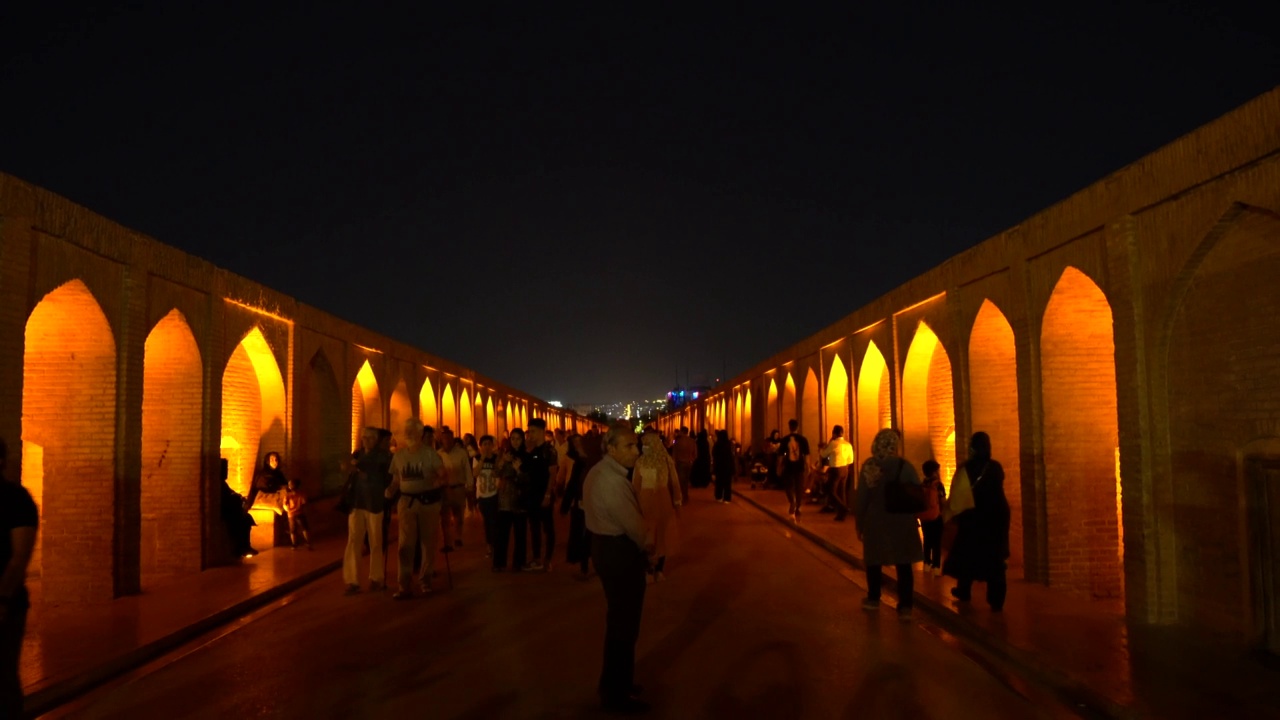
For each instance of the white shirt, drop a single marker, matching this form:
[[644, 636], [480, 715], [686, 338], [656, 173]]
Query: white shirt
[[839, 452], [458, 463], [610, 504]]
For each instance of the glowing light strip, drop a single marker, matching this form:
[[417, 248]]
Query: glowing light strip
[[922, 302], [367, 349], [257, 310], [862, 330]]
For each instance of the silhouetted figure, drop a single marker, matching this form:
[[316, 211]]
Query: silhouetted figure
[[982, 537], [724, 464], [236, 517], [701, 476], [888, 538], [19, 520]]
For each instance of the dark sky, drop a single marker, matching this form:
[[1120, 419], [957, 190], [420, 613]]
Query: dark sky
[[583, 206]]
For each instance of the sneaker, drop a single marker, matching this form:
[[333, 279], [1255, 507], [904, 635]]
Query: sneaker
[[937, 571], [904, 613], [534, 566], [352, 590], [293, 547], [870, 604], [425, 587], [548, 566], [376, 587], [402, 594], [961, 596]]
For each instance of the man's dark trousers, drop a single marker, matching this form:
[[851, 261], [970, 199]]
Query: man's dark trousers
[[621, 566]]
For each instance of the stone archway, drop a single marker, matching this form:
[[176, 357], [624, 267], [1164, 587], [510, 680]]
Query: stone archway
[[401, 409], [172, 392], [993, 402], [253, 420], [875, 411], [68, 443], [324, 433], [810, 427], [1081, 439], [928, 403], [366, 403], [837, 398]]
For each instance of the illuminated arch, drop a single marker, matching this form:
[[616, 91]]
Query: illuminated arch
[[325, 434], [68, 442], [366, 403], [401, 410], [1081, 438], [788, 404], [490, 418], [466, 416], [172, 385], [448, 409], [771, 408], [874, 407], [427, 411], [747, 429], [837, 398], [253, 419], [993, 400], [928, 403], [809, 412]]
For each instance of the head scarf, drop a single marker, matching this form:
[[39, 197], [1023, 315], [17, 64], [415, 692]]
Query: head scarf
[[884, 446], [980, 447], [655, 457]]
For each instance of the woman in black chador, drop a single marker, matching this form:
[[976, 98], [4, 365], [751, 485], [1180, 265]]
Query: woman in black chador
[[982, 538]]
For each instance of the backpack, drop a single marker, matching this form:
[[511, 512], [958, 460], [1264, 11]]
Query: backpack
[[793, 449], [932, 507]]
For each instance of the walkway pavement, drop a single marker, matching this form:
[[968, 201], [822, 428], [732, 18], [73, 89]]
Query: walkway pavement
[[1082, 647], [69, 649]]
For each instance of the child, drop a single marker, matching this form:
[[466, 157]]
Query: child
[[294, 501], [931, 520]]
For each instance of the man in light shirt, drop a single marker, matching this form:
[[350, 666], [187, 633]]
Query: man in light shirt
[[458, 464], [418, 474], [621, 558], [839, 456]]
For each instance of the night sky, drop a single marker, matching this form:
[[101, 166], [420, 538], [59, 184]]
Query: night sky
[[592, 207]]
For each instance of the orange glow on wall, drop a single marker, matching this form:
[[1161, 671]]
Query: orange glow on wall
[[788, 404], [809, 411], [1078, 377], [401, 410], [253, 409], [324, 443], [366, 403], [747, 428], [172, 387], [771, 408], [448, 410], [427, 411], [993, 400], [837, 398], [928, 406], [466, 422], [490, 418], [68, 419], [873, 395]]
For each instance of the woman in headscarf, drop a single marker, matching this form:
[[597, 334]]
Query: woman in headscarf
[[658, 491], [981, 513], [269, 481], [701, 475], [579, 551], [725, 464], [887, 538]]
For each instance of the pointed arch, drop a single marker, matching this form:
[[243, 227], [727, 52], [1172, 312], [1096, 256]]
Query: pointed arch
[[748, 430], [366, 403], [401, 409], [993, 401], [788, 403], [427, 408], [874, 406], [771, 409], [809, 411], [325, 434], [928, 403], [1081, 438], [466, 414], [837, 398], [490, 418], [172, 384], [68, 442], [253, 420], [448, 408]]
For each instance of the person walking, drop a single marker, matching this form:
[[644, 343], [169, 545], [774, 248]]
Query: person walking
[[888, 538], [366, 488], [839, 456], [19, 520], [457, 463], [419, 476], [685, 452], [539, 462], [981, 511], [486, 479], [793, 464], [620, 553], [724, 466], [931, 520], [512, 520], [579, 545], [657, 487]]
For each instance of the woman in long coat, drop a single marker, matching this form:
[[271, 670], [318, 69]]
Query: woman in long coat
[[887, 538], [982, 534], [658, 491]]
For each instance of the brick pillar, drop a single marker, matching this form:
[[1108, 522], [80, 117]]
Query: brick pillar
[[130, 351], [15, 283], [1150, 588], [1026, 333]]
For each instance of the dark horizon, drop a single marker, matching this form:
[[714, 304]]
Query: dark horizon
[[619, 200]]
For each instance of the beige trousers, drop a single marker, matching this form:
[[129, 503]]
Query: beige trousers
[[358, 523], [419, 528]]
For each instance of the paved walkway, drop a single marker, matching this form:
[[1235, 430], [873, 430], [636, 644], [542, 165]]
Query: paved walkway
[[752, 622], [68, 649], [1084, 647]]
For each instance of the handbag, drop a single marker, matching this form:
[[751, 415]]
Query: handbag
[[902, 498]]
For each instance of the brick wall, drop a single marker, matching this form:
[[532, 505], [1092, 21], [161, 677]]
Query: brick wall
[[68, 411], [837, 401], [810, 412], [993, 393], [1080, 438], [873, 400], [401, 410], [241, 420], [942, 413], [172, 389]]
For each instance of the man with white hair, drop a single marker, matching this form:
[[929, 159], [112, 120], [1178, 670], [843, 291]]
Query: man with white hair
[[419, 475], [620, 552]]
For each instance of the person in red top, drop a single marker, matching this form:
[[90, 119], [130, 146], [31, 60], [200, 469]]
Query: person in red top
[[18, 522], [294, 502]]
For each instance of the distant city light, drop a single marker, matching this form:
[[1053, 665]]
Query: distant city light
[[555, 403]]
